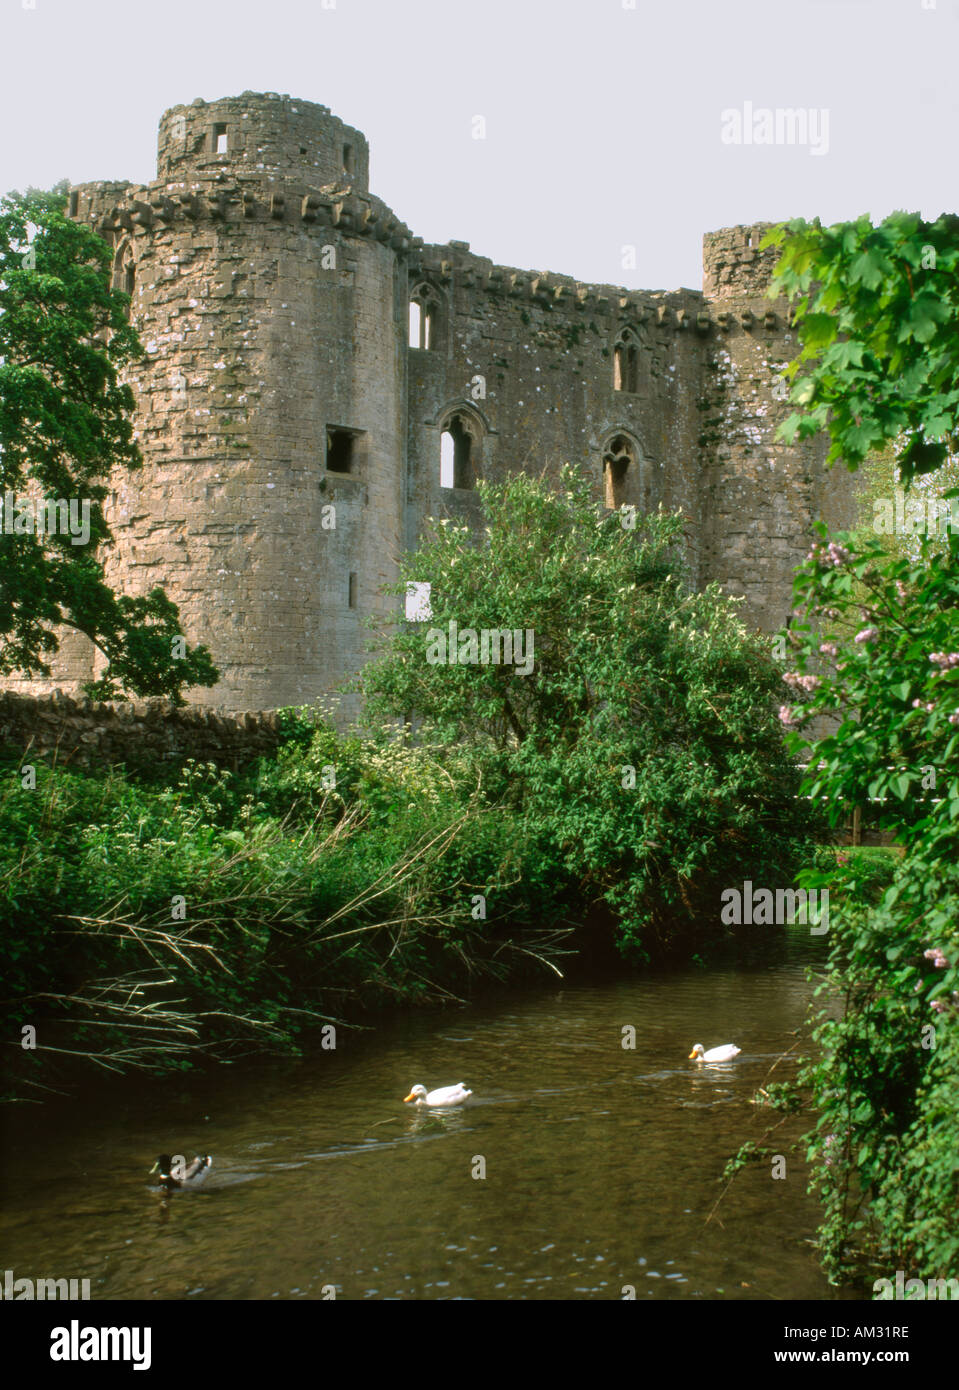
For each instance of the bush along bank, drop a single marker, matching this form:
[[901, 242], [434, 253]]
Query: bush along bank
[[154, 924]]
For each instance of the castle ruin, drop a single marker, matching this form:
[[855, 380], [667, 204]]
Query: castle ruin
[[305, 350]]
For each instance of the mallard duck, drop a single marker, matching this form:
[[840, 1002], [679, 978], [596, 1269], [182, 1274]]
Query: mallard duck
[[726, 1053], [186, 1175], [446, 1095]]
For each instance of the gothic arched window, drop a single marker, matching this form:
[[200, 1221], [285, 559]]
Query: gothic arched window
[[620, 464], [460, 450], [424, 316], [626, 362]]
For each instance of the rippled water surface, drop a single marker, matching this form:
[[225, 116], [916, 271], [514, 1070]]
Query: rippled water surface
[[601, 1163]]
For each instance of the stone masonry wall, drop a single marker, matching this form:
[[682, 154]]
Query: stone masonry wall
[[760, 495], [544, 346], [142, 735]]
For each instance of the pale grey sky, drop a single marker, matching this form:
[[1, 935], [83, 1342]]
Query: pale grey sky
[[604, 118]]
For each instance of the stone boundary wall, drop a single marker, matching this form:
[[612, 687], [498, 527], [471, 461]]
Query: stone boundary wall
[[80, 733]]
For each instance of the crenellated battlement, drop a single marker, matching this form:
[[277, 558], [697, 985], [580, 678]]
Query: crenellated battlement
[[318, 382], [681, 310], [116, 208]]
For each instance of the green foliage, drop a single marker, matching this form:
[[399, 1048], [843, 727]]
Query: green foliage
[[876, 314], [152, 925], [64, 426], [886, 1142], [878, 326], [888, 685], [749, 1152], [640, 744]]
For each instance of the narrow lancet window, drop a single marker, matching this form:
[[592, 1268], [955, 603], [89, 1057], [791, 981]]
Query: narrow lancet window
[[619, 463], [424, 315], [459, 453], [626, 363]]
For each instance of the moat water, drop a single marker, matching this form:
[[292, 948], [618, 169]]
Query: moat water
[[601, 1163]]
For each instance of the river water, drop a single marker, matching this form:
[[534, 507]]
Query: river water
[[601, 1163]]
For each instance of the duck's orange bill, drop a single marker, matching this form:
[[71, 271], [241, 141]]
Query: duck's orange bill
[[409, 1097]]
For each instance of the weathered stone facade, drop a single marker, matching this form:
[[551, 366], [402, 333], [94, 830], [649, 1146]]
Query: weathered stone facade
[[272, 291]]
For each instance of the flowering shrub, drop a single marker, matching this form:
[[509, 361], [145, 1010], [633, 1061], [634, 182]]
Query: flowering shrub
[[877, 323]]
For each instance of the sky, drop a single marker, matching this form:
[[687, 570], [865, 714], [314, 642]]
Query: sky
[[616, 132]]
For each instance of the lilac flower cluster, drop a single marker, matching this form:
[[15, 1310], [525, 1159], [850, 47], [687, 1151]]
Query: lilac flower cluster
[[834, 555], [808, 683], [928, 707], [868, 634], [944, 660], [940, 961]]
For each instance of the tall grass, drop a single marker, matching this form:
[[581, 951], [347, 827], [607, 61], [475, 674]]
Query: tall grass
[[214, 915]]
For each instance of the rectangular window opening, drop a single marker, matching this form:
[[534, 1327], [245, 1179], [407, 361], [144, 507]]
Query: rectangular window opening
[[352, 591], [340, 451], [74, 203], [348, 159], [219, 138]]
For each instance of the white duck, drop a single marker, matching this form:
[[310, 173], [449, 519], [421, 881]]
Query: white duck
[[446, 1095], [726, 1053]]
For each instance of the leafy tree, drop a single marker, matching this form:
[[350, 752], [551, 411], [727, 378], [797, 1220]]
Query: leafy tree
[[635, 727], [878, 319], [877, 322], [64, 425]]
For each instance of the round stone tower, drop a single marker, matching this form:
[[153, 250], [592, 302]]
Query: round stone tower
[[262, 135], [269, 290]]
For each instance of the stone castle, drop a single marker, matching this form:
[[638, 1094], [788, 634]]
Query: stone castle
[[319, 382]]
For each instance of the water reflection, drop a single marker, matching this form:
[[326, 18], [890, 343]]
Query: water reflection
[[601, 1162]]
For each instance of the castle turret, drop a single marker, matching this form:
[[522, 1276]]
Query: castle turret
[[269, 292], [262, 134]]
